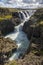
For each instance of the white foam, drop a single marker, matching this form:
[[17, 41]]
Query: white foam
[[21, 39]]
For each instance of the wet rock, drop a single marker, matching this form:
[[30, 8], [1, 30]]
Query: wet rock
[[6, 27]]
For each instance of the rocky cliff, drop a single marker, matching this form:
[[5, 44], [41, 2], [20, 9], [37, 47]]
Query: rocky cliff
[[34, 29], [7, 47], [6, 26]]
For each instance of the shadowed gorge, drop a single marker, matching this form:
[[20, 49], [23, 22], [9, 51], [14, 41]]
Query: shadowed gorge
[[21, 32]]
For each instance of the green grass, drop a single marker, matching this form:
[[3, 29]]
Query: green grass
[[12, 63], [5, 17]]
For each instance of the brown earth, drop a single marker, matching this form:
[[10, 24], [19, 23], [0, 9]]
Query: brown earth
[[7, 47]]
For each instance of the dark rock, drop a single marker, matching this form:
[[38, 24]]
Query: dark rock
[[33, 27], [16, 18], [37, 54], [28, 29], [6, 27], [35, 33], [16, 21], [15, 14], [42, 62]]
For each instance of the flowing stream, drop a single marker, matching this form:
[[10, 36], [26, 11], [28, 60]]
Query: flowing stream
[[20, 37]]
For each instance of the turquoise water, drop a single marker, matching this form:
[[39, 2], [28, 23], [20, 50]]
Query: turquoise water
[[21, 38]]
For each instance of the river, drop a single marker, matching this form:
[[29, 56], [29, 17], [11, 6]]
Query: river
[[20, 37]]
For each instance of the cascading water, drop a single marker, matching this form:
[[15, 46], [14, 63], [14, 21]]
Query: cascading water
[[18, 35], [21, 39], [23, 15]]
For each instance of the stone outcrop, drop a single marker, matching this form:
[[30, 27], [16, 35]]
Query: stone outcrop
[[7, 47]]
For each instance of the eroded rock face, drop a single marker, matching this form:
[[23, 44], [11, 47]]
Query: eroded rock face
[[6, 27], [33, 28], [30, 29]]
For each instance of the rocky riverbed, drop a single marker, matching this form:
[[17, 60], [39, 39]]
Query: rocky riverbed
[[34, 57]]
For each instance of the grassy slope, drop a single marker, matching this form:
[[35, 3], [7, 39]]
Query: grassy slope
[[9, 15], [5, 17], [5, 14]]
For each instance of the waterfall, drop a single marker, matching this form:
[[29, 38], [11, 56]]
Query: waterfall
[[27, 14], [21, 39], [23, 15], [18, 35]]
